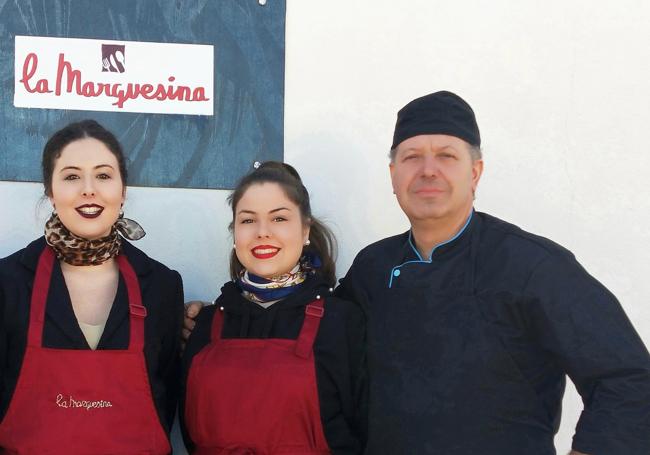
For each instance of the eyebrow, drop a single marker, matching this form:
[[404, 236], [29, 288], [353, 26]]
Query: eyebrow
[[77, 168], [252, 212]]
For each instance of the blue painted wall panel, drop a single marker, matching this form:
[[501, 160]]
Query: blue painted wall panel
[[163, 150]]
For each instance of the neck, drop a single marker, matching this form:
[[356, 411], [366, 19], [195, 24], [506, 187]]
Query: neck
[[427, 234], [107, 265]]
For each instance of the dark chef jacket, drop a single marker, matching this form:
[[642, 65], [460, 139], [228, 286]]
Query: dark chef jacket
[[468, 349], [162, 295], [338, 352]]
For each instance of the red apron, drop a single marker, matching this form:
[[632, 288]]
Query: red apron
[[78, 402], [256, 396]]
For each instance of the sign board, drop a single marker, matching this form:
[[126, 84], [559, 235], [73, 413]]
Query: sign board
[[193, 90], [114, 76]]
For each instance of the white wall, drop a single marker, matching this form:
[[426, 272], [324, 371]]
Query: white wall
[[561, 90]]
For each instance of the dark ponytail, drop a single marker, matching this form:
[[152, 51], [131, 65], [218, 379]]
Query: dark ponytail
[[322, 242]]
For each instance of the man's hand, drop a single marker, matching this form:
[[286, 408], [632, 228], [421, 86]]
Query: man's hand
[[192, 310]]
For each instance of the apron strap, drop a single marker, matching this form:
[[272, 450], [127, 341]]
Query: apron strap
[[39, 297], [313, 314], [137, 312], [41, 289]]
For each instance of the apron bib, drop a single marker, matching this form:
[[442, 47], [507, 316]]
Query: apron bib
[[79, 402], [256, 396]]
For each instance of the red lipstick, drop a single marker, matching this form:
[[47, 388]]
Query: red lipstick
[[264, 251]]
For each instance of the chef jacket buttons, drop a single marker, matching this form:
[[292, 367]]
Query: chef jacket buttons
[[396, 272]]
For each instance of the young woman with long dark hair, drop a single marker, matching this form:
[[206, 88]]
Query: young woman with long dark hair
[[276, 365], [89, 324]]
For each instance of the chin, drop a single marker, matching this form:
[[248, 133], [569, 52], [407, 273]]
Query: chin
[[262, 274], [91, 235], [427, 215]]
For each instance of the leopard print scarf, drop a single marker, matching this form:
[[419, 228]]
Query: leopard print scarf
[[76, 250]]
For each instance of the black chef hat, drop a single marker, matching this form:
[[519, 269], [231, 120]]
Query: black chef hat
[[437, 113]]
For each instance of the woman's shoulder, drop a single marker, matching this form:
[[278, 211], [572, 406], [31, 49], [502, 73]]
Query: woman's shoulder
[[144, 264], [335, 306], [342, 328], [24, 260], [341, 308]]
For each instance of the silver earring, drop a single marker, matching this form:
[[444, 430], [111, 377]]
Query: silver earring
[[234, 246], [307, 242]]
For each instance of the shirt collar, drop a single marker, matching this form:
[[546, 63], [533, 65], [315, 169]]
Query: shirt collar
[[442, 244]]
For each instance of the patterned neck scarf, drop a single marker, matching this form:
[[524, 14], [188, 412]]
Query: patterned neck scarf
[[263, 290], [75, 250]]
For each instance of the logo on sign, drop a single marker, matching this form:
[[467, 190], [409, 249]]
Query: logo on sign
[[113, 58], [71, 73]]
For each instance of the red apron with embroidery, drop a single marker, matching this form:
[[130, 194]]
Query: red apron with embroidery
[[256, 396], [78, 402]]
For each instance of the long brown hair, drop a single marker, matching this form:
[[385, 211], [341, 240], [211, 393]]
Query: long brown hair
[[321, 239]]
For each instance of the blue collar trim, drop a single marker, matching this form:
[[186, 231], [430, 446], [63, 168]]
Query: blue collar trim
[[395, 272], [458, 234]]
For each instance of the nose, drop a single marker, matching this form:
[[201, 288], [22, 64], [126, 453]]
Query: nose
[[429, 166], [263, 230], [88, 189]]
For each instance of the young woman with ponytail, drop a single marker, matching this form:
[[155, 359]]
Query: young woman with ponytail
[[275, 366]]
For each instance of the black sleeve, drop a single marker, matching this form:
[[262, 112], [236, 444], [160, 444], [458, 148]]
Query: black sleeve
[[341, 375], [170, 354], [199, 338], [14, 317], [352, 286], [583, 326]]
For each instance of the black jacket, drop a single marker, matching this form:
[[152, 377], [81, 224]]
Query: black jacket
[[534, 315], [162, 295], [338, 352]]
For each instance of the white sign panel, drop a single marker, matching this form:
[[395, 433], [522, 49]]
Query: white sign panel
[[118, 76]]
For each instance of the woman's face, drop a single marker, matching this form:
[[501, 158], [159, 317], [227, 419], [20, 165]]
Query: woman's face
[[268, 230], [87, 190]]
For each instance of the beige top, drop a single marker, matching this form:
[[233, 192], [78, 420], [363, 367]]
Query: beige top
[[92, 333]]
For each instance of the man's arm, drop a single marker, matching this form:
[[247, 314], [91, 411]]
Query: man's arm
[[582, 325]]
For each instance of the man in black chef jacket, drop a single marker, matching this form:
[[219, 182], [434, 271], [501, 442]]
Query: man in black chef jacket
[[473, 323]]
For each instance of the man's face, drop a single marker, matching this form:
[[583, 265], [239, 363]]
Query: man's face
[[434, 177]]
